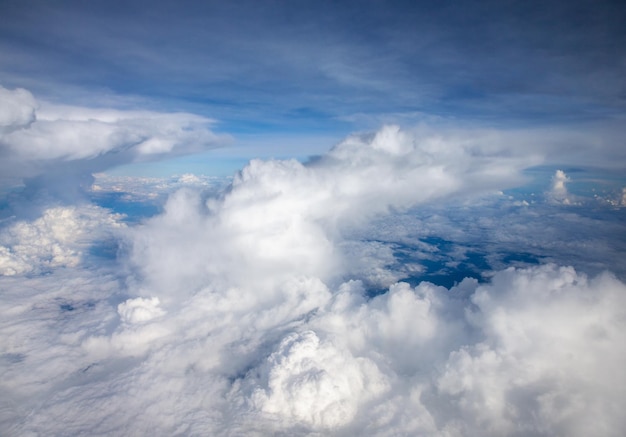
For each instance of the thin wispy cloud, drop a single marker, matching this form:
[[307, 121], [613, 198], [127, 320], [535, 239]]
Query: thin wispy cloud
[[548, 61], [57, 148]]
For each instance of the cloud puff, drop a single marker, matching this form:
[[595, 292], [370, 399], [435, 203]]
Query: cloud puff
[[17, 109], [548, 362], [42, 138], [139, 310], [59, 238], [300, 382], [558, 192]]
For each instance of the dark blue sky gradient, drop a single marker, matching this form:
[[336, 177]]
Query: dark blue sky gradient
[[320, 66]]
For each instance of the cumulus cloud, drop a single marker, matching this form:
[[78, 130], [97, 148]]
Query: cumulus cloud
[[549, 353], [558, 192], [17, 109], [59, 238], [139, 310], [300, 382], [40, 139], [284, 217], [250, 313], [535, 352]]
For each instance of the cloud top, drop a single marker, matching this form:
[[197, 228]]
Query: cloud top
[[59, 238], [40, 138], [283, 217], [17, 109]]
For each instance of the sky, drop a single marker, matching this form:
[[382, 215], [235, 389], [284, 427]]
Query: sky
[[312, 218], [293, 78]]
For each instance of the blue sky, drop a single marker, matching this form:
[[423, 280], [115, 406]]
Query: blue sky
[[272, 73]]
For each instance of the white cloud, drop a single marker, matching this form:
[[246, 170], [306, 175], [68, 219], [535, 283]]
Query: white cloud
[[241, 315], [551, 351], [17, 109], [558, 192], [544, 343], [59, 238], [190, 179], [39, 138], [283, 217], [300, 381], [139, 310]]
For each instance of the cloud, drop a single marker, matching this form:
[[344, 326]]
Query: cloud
[[18, 109], [282, 217], [536, 351], [59, 238], [300, 381], [251, 312], [139, 310], [549, 352], [54, 142], [558, 193]]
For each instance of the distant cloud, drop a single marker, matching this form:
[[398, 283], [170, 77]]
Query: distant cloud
[[59, 238], [56, 142], [261, 71], [558, 192], [17, 109]]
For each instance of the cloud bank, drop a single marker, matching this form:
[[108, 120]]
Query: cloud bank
[[251, 313], [39, 140]]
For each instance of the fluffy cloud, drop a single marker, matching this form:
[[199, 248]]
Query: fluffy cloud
[[245, 313], [17, 109], [300, 381], [139, 310], [39, 137], [558, 192], [283, 217], [59, 238], [535, 352], [549, 359]]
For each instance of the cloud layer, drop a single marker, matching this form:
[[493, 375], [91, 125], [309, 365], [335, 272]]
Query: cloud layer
[[251, 312], [536, 352]]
